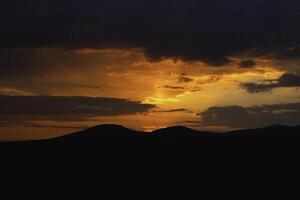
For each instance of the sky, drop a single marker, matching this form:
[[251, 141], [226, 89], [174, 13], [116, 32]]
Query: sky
[[215, 65]]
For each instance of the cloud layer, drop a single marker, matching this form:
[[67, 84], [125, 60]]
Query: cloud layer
[[286, 80], [205, 30], [247, 64], [252, 117], [56, 107]]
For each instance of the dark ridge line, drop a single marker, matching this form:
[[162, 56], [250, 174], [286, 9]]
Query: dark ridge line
[[112, 132]]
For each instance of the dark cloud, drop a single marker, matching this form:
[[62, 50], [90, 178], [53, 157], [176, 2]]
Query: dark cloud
[[183, 78], [286, 80], [57, 107], [210, 79], [196, 89], [252, 117], [290, 53], [257, 88], [247, 64], [175, 110], [206, 30], [174, 87]]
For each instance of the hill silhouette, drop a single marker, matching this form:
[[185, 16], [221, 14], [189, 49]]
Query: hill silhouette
[[117, 133], [103, 133], [118, 142], [275, 135], [272, 135]]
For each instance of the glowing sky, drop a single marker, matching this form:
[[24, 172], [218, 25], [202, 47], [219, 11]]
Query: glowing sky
[[209, 66]]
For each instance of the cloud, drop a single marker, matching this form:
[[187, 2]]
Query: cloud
[[247, 64], [66, 108], [286, 80], [175, 110], [174, 87], [210, 79], [209, 31], [251, 117], [183, 78], [196, 89], [290, 53]]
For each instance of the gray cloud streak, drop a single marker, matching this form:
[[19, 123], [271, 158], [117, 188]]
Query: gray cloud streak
[[66, 108], [286, 80], [251, 117]]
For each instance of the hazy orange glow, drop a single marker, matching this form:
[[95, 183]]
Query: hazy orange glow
[[128, 74]]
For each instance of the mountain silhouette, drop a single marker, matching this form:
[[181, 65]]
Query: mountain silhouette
[[181, 133], [116, 133], [118, 142], [276, 135], [103, 133], [272, 135]]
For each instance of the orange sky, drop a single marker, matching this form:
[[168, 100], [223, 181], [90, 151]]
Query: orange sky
[[180, 90]]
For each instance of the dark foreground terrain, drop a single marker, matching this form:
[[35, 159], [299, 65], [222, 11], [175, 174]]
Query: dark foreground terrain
[[175, 154], [111, 143]]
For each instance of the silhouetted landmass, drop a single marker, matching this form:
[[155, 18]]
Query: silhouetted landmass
[[272, 134], [276, 135], [112, 142], [116, 133], [103, 133]]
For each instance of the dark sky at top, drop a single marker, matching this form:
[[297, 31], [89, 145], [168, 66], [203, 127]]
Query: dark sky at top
[[206, 30]]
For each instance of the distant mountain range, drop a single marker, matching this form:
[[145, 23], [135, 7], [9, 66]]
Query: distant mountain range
[[110, 134], [275, 134], [117, 143]]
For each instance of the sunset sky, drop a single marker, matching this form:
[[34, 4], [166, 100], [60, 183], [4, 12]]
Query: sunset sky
[[214, 65]]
